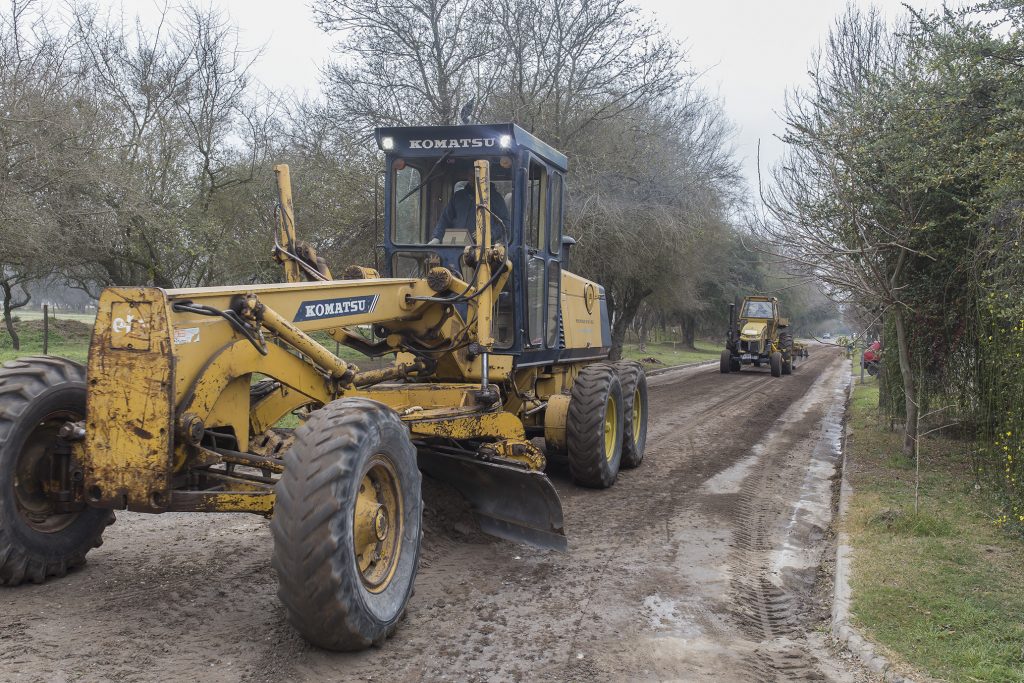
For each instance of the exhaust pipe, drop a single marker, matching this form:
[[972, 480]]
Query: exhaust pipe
[[731, 337]]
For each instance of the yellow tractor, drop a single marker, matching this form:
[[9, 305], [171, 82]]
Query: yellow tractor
[[183, 405], [758, 337]]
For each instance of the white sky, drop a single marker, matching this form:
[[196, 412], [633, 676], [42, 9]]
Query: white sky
[[750, 51]]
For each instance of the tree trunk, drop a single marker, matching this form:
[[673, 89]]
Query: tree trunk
[[909, 385], [618, 339], [641, 335], [688, 324], [625, 312], [8, 317]]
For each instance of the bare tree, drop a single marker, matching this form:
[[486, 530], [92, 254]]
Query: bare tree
[[564, 66], [846, 203], [405, 62]]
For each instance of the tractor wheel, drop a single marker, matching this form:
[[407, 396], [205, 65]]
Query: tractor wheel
[[37, 396], [725, 362], [633, 381], [787, 365], [593, 427], [346, 525], [775, 362]]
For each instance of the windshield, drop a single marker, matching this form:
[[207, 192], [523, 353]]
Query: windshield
[[433, 199], [758, 309]]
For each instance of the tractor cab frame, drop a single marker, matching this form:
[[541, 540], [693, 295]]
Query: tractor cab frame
[[427, 165]]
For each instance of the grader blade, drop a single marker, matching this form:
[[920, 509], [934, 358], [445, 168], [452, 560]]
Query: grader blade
[[509, 502]]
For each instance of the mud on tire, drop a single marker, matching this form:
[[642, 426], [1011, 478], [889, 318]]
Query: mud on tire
[[351, 457], [37, 396], [633, 381], [594, 454]]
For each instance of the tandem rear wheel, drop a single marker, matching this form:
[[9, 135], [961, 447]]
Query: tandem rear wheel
[[594, 426], [346, 525], [633, 381]]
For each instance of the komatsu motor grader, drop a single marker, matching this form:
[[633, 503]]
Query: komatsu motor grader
[[492, 344], [758, 336]]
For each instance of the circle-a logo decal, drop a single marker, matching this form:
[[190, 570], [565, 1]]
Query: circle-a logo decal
[[589, 297]]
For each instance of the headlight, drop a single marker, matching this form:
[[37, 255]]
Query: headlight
[[505, 140], [387, 143]]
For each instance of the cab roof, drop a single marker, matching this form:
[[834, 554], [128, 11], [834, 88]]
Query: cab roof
[[469, 140]]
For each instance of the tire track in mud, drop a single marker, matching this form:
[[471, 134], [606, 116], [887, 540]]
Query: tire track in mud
[[770, 610]]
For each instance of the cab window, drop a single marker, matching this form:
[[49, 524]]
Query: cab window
[[554, 281], [535, 196], [555, 229], [535, 301], [406, 209]]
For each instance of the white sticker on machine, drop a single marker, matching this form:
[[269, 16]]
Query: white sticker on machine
[[186, 335]]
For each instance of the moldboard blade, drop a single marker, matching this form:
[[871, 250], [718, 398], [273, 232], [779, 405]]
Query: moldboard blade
[[510, 502]]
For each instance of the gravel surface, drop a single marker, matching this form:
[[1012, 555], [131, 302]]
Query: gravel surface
[[709, 562]]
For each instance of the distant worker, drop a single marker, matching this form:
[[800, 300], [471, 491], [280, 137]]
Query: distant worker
[[460, 213]]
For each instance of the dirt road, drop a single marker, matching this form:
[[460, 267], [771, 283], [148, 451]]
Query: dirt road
[[704, 564]]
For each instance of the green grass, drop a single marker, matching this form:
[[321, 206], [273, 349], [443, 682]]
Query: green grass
[[669, 354], [68, 338], [942, 589]]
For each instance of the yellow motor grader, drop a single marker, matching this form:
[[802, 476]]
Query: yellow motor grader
[[758, 337], [492, 343]]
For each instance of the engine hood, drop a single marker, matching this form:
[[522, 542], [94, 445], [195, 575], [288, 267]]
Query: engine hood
[[753, 330]]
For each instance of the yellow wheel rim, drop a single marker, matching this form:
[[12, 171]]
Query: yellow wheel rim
[[377, 524], [611, 428], [638, 414]]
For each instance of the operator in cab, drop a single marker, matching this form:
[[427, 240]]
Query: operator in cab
[[460, 213]]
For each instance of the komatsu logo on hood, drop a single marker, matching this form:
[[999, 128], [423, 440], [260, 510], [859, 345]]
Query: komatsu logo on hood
[[456, 143], [335, 308]]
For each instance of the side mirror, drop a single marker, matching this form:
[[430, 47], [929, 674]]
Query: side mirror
[[567, 242]]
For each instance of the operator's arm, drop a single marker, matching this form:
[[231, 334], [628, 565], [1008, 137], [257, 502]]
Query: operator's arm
[[447, 220]]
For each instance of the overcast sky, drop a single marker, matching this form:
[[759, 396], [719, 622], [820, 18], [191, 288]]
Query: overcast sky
[[749, 51]]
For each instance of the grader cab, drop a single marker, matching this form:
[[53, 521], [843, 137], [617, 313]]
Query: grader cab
[[492, 343], [759, 336]]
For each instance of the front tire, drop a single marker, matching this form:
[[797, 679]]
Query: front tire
[[346, 525], [633, 381], [37, 396], [725, 362], [594, 427], [775, 362]]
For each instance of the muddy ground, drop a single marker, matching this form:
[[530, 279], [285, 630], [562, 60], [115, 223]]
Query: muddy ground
[[710, 562]]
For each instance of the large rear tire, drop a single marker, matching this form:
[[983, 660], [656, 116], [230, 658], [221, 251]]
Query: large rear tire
[[725, 362], [633, 381], [786, 344], [594, 427], [775, 362], [37, 396], [346, 525]]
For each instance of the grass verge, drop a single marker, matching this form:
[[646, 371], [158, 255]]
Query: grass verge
[[68, 338], [940, 589], [665, 354]]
